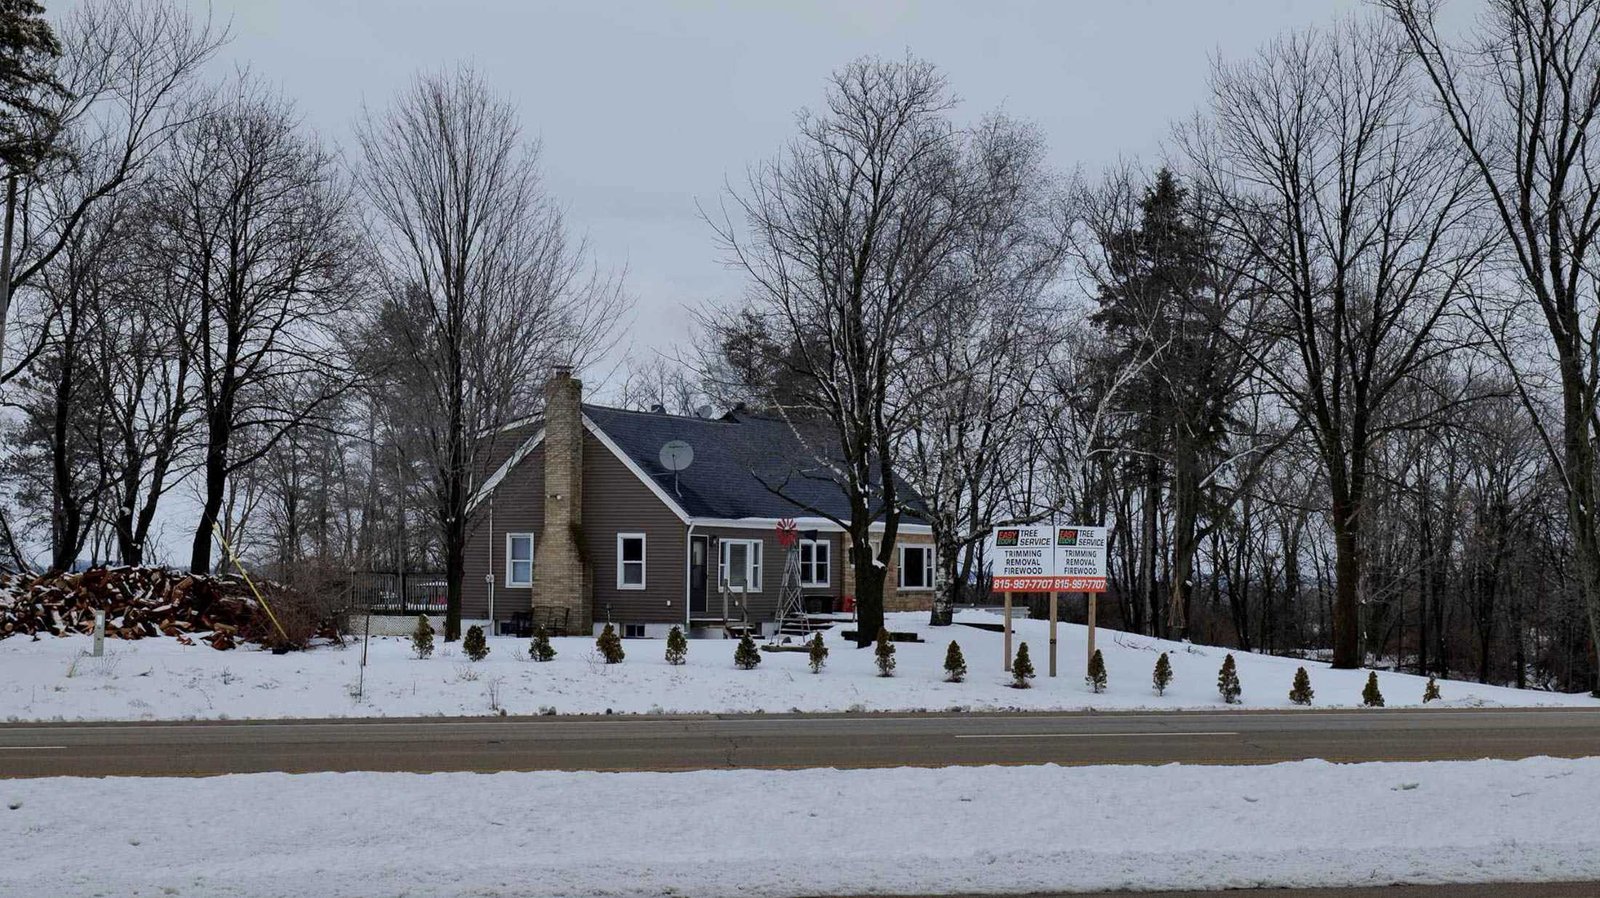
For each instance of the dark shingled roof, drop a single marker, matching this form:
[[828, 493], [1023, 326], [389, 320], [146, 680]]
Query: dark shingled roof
[[745, 465]]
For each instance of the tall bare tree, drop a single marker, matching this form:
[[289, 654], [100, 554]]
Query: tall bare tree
[[1320, 160], [256, 227], [1522, 100], [842, 239], [483, 285]]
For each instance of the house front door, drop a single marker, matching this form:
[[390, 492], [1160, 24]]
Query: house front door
[[697, 575]]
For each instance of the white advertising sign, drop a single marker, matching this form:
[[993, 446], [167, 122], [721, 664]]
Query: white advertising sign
[[1049, 558]]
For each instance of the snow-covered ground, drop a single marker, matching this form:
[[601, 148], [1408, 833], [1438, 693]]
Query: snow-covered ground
[[808, 832], [53, 679]]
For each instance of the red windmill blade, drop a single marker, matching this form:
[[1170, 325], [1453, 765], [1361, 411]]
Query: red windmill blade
[[788, 534]]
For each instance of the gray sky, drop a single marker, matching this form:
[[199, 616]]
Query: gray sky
[[646, 107]]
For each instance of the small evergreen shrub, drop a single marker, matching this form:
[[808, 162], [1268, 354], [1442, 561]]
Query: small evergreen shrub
[[677, 646], [1228, 681], [1097, 673], [955, 666], [1370, 696], [885, 653], [541, 649], [476, 647], [609, 644], [1430, 693], [422, 637], [1021, 668], [1301, 693], [745, 655], [817, 653], [1162, 678]]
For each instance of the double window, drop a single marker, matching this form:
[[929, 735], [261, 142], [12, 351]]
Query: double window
[[815, 561], [739, 565], [630, 561], [916, 567], [519, 559]]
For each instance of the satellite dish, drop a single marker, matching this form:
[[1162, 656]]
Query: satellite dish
[[677, 455]]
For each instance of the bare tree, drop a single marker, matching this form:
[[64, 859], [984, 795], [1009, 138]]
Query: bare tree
[[975, 366], [255, 226], [483, 286], [1355, 211], [1522, 101], [842, 240]]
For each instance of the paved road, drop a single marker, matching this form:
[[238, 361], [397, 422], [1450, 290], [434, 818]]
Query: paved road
[[1496, 890], [679, 743]]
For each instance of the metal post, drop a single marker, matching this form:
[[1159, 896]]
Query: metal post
[[1052, 634], [1008, 630], [1094, 600], [99, 632]]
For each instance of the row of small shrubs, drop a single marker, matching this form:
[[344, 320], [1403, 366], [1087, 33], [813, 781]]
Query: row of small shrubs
[[746, 657]]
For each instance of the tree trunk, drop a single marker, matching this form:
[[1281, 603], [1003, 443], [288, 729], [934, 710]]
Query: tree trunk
[[1346, 601], [869, 590], [215, 473], [944, 599]]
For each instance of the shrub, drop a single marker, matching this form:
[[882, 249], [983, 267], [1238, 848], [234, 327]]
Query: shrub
[[1097, 672], [476, 647], [422, 637], [1228, 681], [746, 656], [955, 666], [541, 649], [1021, 668], [884, 653], [1163, 675], [609, 644], [1430, 693], [1301, 694], [1370, 696], [817, 653], [677, 646]]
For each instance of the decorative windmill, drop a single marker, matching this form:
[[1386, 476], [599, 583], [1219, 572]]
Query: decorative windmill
[[792, 617]]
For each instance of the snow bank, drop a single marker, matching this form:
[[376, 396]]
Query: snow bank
[[791, 833], [160, 679]]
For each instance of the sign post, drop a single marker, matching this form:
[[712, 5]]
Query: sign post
[[1053, 558]]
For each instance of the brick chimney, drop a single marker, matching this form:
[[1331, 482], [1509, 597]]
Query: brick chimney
[[559, 572]]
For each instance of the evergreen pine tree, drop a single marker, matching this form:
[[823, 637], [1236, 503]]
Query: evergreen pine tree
[[1097, 672], [884, 653], [1228, 681], [28, 85], [1431, 692], [1163, 675], [1021, 668], [609, 645], [541, 649], [1301, 694], [422, 637], [677, 646], [476, 647], [955, 666], [746, 656], [1370, 696], [817, 653]]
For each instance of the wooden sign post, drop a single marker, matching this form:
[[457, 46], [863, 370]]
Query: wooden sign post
[[1094, 600], [1008, 632], [1052, 633]]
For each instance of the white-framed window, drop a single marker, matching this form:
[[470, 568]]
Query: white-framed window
[[519, 559], [630, 561], [916, 567], [739, 564], [815, 562]]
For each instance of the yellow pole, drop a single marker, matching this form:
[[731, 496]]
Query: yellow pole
[[217, 528]]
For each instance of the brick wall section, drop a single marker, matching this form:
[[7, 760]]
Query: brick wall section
[[894, 598]]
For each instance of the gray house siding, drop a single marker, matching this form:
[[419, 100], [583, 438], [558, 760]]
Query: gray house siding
[[614, 501], [764, 604]]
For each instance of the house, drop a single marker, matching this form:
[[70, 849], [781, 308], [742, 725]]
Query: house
[[580, 516]]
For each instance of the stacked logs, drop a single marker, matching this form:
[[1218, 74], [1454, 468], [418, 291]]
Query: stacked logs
[[138, 601]]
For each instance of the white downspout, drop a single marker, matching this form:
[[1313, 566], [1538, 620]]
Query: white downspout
[[688, 576], [490, 575]]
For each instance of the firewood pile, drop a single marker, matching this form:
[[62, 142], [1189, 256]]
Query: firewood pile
[[139, 602]]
